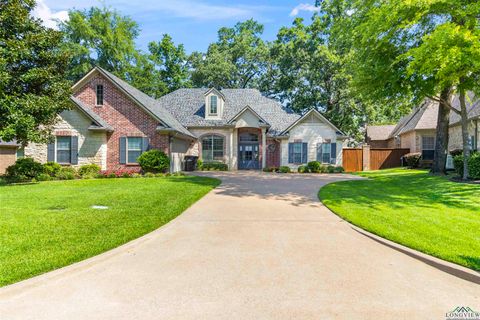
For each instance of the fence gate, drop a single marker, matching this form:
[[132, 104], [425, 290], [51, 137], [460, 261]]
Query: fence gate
[[352, 160], [375, 159]]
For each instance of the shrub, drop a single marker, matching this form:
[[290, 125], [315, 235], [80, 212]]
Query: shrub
[[302, 169], [323, 169], [24, 169], [339, 169], [284, 169], [149, 175], [154, 161], [160, 175], [412, 159], [66, 173], [330, 169], [214, 166], [88, 170], [270, 169], [51, 168], [136, 175], [314, 166], [44, 177], [458, 164], [199, 164], [474, 166]]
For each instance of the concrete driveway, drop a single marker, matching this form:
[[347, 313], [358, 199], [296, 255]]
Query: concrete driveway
[[261, 246]]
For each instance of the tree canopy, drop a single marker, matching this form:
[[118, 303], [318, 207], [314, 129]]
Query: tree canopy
[[33, 85]]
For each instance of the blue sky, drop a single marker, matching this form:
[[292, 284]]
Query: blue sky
[[192, 22]]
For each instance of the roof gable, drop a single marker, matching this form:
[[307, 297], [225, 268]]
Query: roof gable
[[144, 101], [97, 120], [315, 113], [248, 109]]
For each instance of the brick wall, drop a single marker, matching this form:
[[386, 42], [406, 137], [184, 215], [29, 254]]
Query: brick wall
[[125, 116], [7, 157], [273, 153]]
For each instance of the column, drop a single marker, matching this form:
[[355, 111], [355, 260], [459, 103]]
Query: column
[[264, 148]]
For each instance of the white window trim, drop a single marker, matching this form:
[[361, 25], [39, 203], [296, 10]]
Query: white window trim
[[96, 95], [321, 152], [127, 149], [56, 149], [210, 115]]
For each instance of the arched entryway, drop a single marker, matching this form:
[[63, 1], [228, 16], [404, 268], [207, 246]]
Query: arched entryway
[[249, 150]]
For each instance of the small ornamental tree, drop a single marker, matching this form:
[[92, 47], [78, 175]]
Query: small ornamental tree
[[154, 161]]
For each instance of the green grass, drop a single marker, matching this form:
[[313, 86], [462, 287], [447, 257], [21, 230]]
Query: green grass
[[411, 207], [49, 225]]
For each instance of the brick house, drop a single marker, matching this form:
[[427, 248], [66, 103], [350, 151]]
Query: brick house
[[417, 130], [111, 123]]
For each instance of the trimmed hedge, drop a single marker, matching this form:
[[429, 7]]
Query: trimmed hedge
[[473, 165], [412, 159], [24, 170], [213, 166], [284, 169], [314, 166], [154, 161]]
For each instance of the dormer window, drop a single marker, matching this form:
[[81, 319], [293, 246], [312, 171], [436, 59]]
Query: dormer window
[[99, 95], [213, 105]]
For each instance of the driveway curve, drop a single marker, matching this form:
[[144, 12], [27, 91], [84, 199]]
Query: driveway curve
[[260, 246]]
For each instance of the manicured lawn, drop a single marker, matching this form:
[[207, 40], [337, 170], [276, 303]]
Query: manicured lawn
[[413, 208], [48, 225]]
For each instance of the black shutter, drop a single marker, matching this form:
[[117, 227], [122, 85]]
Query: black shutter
[[333, 155], [304, 152], [51, 152], [74, 150], [123, 150], [290, 153], [145, 144]]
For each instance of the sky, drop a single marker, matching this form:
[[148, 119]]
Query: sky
[[192, 22]]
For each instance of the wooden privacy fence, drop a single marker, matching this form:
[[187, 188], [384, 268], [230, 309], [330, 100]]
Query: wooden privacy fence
[[360, 159]]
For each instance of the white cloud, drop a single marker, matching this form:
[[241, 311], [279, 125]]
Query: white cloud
[[303, 7], [50, 19]]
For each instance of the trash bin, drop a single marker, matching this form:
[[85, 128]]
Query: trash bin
[[190, 163]]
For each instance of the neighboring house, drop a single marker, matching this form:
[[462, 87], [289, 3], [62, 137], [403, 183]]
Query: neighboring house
[[417, 130], [8, 154], [111, 123], [377, 136]]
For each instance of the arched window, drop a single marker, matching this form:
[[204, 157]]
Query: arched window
[[212, 148]]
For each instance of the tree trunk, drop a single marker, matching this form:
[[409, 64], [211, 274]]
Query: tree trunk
[[466, 146], [441, 145]]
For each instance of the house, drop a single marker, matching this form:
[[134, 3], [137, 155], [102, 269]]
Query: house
[[111, 123], [378, 136], [417, 130]]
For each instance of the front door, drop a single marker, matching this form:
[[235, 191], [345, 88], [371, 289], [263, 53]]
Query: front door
[[248, 155]]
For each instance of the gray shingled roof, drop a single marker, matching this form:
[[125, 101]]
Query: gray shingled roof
[[379, 132], [473, 108], [188, 106], [148, 102], [100, 123], [12, 143], [423, 117]]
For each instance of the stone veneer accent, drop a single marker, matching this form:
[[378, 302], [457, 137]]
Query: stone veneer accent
[[125, 116], [92, 145]]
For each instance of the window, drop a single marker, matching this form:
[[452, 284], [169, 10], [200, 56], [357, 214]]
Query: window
[[248, 137], [428, 147], [297, 152], [134, 149], [213, 105], [20, 153], [99, 92], [212, 148], [64, 149], [324, 152], [472, 142]]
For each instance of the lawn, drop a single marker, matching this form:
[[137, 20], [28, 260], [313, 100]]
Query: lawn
[[411, 207], [49, 225]]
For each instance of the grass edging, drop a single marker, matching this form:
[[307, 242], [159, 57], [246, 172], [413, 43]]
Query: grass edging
[[412, 208]]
